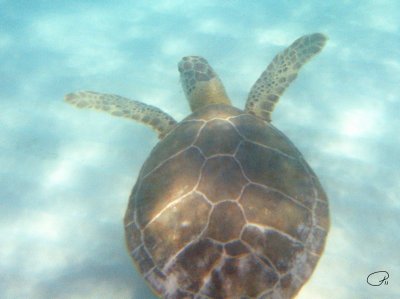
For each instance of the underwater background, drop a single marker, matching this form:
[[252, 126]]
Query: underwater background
[[66, 174]]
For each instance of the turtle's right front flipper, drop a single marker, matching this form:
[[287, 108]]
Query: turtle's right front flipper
[[157, 119], [280, 73]]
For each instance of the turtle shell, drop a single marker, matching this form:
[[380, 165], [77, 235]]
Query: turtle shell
[[226, 207]]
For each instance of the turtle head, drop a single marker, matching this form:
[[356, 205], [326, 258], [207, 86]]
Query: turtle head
[[200, 83]]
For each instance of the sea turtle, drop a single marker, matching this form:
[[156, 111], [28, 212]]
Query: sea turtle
[[225, 206]]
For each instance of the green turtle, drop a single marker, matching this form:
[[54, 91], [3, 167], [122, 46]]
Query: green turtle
[[225, 206]]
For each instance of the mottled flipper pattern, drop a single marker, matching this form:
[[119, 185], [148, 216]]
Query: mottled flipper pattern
[[158, 120], [201, 83], [280, 73]]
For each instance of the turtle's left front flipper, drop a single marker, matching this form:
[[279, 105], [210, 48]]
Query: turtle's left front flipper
[[155, 118], [280, 73]]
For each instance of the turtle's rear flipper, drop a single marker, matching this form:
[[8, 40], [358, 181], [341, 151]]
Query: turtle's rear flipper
[[155, 118], [280, 73]]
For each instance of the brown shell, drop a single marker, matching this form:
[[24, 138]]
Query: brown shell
[[226, 207]]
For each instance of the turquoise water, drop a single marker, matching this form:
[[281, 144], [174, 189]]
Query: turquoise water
[[66, 174]]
